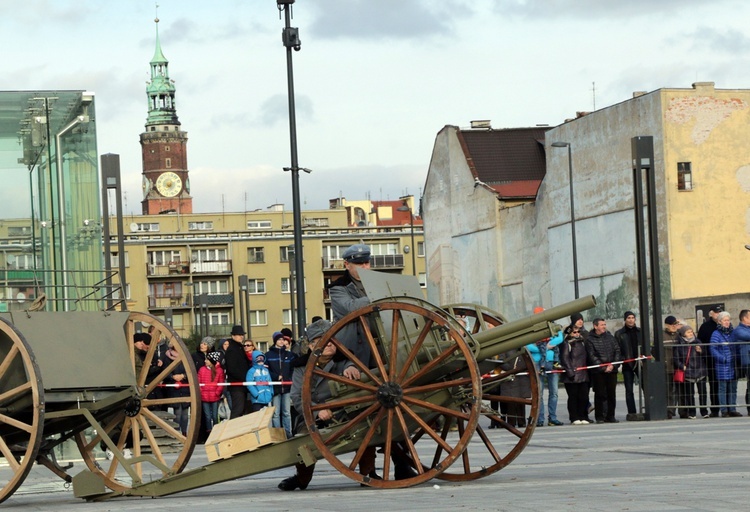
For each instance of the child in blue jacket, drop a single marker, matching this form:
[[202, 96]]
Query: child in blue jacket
[[260, 394]]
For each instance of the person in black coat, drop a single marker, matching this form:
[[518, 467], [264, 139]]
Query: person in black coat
[[603, 350], [572, 357], [237, 365]]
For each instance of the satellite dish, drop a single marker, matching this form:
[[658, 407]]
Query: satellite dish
[[133, 226], [21, 297]]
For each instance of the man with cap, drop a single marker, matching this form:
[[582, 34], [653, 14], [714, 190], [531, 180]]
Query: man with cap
[[279, 360], [629, 338], [236, 369], [319, 393], [671, 337], [705, 331], [348, 294]]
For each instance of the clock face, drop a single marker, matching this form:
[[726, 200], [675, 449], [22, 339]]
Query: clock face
[[146, 187], [169, 184]]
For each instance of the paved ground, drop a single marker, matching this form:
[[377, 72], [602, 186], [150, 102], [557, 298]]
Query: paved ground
[[670, 465]]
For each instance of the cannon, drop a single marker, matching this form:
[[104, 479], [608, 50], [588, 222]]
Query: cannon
[[423, 399], [75, 376], [436, 373]]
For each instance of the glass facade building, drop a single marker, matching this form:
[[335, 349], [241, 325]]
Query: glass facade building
[[50, 220]]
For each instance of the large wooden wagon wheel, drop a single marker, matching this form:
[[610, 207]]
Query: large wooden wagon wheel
[[508, 439], [423, 368], [21, 407], [143, 422]]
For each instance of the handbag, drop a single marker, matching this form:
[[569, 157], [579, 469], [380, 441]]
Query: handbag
[[679, 375], [224, 410]]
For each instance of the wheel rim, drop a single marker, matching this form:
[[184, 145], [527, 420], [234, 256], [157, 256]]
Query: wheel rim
[[21, 406], [140, 419], [434, 374], [508, 441]]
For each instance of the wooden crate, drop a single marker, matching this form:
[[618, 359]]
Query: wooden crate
[[243, 434]]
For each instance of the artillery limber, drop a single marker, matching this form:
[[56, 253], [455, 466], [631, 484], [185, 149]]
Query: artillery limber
[[76, 376], [435, 371]]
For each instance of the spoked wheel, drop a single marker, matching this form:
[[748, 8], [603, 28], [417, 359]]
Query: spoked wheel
[[423, 368], [512, 385], [143, 423], [21, 407]]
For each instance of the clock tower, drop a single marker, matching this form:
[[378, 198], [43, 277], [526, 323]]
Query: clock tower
[[166, 186]]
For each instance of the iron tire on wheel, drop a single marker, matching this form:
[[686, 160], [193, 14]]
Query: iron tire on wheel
[[434, 374], [140, 413], [21, 407], [507, 441]]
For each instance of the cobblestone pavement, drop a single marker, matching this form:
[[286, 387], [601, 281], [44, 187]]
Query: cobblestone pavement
[[670, 465]]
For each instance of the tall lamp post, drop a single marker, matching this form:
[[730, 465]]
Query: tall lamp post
[[291, 41], [405, 208], [572, 213]]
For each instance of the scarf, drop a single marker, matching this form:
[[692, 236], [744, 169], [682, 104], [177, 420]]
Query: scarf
[[725, 330]]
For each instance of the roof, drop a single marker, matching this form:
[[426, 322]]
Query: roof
[[510, 161]]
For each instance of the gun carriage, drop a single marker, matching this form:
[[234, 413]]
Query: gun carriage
[[424, 396]]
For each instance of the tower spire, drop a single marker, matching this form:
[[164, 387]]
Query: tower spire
[[161, 89]]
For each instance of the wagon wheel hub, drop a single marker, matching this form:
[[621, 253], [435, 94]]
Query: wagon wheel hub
[[390, 394], [132, 407]]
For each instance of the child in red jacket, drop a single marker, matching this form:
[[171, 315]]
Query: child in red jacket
[[209, 377]]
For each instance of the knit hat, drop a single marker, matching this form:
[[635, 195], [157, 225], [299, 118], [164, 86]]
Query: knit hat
[[286, 331], [575, 317], [214, 357], [627, 314], [142, 336], [317, 329], [682, 330], [208, 340], [277, 335], [258, 356]]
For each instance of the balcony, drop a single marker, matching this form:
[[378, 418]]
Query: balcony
[[211, 267], [189, 301], [170, 269], [381, 262]]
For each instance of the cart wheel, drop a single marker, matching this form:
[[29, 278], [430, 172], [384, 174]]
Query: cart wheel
[[143, 422], [423, 368], [21, 407], [507, 440]]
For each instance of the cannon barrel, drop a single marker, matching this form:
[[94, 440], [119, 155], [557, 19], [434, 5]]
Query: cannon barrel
[[531, 329]]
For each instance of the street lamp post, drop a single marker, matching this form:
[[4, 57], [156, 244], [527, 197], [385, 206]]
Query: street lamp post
[[290, 38], [406, 208], [572, 213]]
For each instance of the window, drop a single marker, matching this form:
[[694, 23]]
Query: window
[[255, 255], [162, 257], [201, 226], [166, 148], [19, 230], [168, 163], [684, 176], [422, 280], [147, 226], [286, 317], [285, 252], [258, 317], [420, 249], [166, 289], [26, 261], [256, 286], [115, 260], [204, 255], [317, 222], [384, 249], [259, 224], [285, 288], [116, 295], [211, 287]]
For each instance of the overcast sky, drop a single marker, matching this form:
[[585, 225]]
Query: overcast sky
[[375, 79]]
